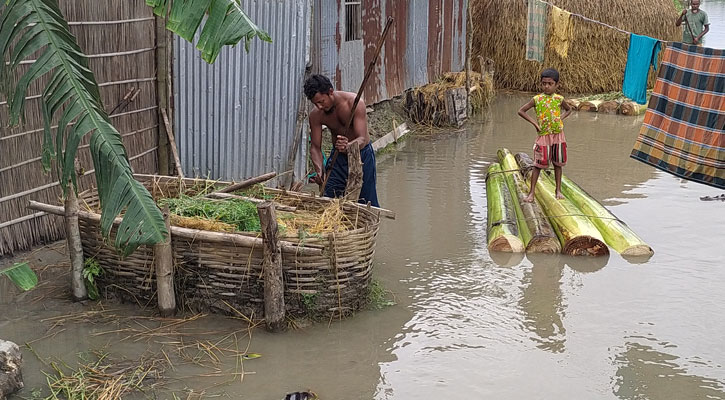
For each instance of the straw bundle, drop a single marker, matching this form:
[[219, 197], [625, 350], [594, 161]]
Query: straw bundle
[[597, 54], [427, 104]]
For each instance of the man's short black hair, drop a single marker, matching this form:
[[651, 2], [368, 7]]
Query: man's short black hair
[[550, 73], [317, 84]]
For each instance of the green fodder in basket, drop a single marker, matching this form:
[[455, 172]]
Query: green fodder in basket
[[241, 215], [231, 215]]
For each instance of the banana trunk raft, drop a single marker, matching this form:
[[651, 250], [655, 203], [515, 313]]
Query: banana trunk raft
[[575, 225]]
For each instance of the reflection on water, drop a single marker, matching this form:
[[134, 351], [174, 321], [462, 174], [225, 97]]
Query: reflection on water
[[542, 303], [647, 370]]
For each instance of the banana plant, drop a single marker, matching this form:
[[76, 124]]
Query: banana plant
[[227, 24], [21, 275], [37, 27]]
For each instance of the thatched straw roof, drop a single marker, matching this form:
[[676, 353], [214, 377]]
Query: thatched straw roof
[[597, 54]]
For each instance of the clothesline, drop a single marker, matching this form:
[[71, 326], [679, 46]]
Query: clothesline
[[597, 22]]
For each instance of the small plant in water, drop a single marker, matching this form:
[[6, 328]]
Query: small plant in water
[[377, 296], [91, 270]]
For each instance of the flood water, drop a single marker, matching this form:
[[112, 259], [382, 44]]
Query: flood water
[[716, 14], [467, 324]]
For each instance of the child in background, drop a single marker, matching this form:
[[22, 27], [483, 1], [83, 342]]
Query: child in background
[[550, 144]]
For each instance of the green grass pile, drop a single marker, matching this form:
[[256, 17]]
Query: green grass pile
[[239, 213]]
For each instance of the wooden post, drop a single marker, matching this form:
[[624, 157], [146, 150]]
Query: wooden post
[[274, 311], [172, 143], [163, 51], [354, 172], [469, 35], [164, 262], [75, 247]]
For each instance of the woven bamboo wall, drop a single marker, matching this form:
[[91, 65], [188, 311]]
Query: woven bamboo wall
[[119, 38]]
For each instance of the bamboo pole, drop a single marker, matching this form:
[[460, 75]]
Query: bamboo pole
[[164, 262], [247, 183], [354, 173], [193, 234], [578, 236], [536, 231], [274, 309], [163, 53], [172, 143], [289, 180], [75, 247], [502, 228], [347, 126]]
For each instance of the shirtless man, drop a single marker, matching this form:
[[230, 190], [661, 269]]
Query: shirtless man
[[333, 110]]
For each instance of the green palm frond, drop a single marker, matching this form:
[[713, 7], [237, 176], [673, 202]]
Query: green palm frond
[[21, 275], [37, 27], [227, 24]]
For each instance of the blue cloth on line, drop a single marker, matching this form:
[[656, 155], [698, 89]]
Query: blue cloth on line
[[643, 51], [337, 181]]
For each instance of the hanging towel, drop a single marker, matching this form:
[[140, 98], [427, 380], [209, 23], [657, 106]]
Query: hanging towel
[[642, 53], [562, 29], [684, 127], [536, 31]]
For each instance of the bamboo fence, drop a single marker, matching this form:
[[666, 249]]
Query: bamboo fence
[[119, 38]]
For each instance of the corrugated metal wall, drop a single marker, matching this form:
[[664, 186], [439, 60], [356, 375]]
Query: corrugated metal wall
[[119, 38], [236, 118], [427, 39]]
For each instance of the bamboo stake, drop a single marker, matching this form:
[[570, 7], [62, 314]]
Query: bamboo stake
[[164, 261], [354, 173], [274, 309], [172, 143], [347, 126], [75, 247], [288, 181], [249, 182]]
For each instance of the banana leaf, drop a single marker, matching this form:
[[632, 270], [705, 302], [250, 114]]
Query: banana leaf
[[21, 275], [227, 24], [38, 28]]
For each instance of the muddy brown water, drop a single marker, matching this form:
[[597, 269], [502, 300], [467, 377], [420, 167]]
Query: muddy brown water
[[467, 324]]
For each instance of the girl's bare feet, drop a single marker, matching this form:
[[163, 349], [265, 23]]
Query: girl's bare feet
[[529, 198], [559, 195]]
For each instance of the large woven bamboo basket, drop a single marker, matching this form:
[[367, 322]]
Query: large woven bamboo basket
[[324, 275]]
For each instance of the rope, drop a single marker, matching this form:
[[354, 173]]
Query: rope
[[597, 22], [513, 170]]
